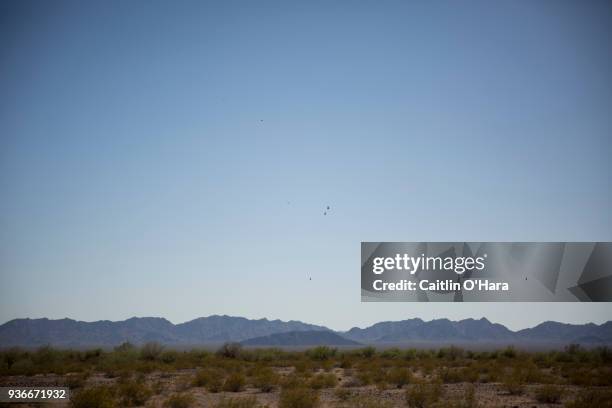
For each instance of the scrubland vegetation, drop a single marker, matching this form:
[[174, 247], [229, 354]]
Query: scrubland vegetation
[[234, 377]]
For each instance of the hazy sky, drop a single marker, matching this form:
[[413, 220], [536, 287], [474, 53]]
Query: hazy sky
[[174, 159]]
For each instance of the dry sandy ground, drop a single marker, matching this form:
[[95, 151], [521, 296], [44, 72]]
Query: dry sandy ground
[[488, 395]]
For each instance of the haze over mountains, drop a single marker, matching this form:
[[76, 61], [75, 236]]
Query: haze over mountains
[[263, 332]]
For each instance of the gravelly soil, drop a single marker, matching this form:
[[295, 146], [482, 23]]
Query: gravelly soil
[[488, 395]]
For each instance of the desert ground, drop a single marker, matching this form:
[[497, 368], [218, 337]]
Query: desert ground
[[152, 376]]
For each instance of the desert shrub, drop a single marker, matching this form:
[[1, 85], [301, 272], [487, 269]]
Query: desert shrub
[[509, 352], [343, 394], [265, 379], [302, 366], [450, 353], [215, 385], [24, 366], [549, 394], [367, 352], [321, 353], [133, 393], [346, 362], [230, 350], [590, 398], [298, 397], [45, 355], [124, 347], [293, 381], [77, 380], [450, 375], [399, 376], [169, 356], [93, 397], [242, 402], [158, 387], [267, 354], [423, 395], [180, 400], [470, 374], [203, 377], [209, 378], [391, 353], [603, 354], [410, 354], [234, 382], [364, 377], [11, 356], [514, 382], [323, 381], [151, 351]]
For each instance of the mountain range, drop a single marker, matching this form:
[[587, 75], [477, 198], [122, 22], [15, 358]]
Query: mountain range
[[301, 338], [263, 332]]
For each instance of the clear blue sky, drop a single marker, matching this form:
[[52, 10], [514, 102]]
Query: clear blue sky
[[148, 150]]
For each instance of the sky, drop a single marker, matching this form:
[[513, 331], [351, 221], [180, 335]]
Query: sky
[[175, 159]]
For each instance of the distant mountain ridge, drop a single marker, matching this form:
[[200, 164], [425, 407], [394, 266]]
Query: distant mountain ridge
[[434, 330], [139, 330], [218, 329], [301, 338]]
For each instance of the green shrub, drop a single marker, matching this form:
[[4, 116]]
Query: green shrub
[[298, 398], [509, 352], [234, 383], [367, 352], [133, 393], [343, 394], [399, 376], [215, 385], [151, 351], [265, 379], [93, 397], [549, 394], [124, 347], [514, 383], [293, 381], [169, 357], [230, 350], [204, 376], [24, 366], [321, 353], [11, 356], [242, 402], [211, 379], [323, 381], [450, 353], [180, 400], [423, 395]]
